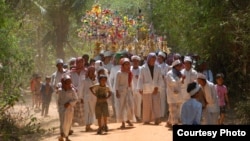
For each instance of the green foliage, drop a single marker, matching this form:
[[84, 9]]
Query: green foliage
[[243, 111], [16, 65], [218, 31]]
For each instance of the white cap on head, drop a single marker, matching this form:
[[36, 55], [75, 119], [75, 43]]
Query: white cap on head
[[162, 54], [98, 63], [107, 53], [66, 77], [176, 62], [59, 61], [188, 59], [201, 76], [135, 57], [195, 90]]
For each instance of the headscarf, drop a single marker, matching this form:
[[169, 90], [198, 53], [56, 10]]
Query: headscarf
[[150, 55], [151, 68], [130, 75]]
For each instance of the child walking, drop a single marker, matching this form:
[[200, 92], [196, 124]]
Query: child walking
[[67, 98], [102, 93], [222, 95], [46, 94]]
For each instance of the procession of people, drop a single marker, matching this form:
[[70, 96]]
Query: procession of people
[[132, 88]]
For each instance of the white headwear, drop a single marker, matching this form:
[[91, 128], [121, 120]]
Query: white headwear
[[176, 62], [107, 53], [195, 90], [188, 59], [135, 57], [98, 64], [162, 54], [66, 77], [59, 61], [201, 76]]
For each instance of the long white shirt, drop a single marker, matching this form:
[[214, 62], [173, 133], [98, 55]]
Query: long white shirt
[[112, 75], [56, 78], [124, 104], [173, 88], [89, 100], [146, 82], [191, 112], [108, 66], [77, 80], [211, 97], [191, 76], [66, 114], [135, 79], [164, 70]]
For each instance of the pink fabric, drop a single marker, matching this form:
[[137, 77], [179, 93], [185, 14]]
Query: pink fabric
[[221, 91]]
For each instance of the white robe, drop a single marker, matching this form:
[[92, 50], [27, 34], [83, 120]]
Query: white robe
[[191, 76], [136, 94], [173, 88], [151, 103], [112, 78], [124, 104], [66, 114], [212, 107], [77, 79], [163, 89], [89, 101]]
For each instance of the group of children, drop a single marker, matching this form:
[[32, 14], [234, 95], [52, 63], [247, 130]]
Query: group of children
[[138, 91]]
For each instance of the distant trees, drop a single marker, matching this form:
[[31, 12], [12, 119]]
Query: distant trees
[[218, 31]]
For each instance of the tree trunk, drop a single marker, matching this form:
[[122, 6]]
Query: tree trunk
[[61, 28]]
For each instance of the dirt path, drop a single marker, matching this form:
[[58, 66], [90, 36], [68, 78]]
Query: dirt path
[[139, 132]]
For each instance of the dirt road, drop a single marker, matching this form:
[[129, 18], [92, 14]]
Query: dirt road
[[138, 132]]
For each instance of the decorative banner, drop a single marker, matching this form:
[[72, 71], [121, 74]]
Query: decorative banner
[[114, 30]]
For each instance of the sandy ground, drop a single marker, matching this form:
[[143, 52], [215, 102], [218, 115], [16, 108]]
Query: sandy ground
[[138, 132]]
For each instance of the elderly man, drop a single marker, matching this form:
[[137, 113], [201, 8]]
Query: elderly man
[[150, 79]]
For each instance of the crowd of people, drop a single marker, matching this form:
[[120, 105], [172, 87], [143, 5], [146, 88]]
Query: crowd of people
[[148, 90]]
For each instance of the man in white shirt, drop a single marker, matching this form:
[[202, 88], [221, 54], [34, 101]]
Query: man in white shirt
[[190, 75], [135, 69]]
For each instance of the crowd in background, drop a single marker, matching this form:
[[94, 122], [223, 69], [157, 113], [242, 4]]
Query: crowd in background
[[158, 87]]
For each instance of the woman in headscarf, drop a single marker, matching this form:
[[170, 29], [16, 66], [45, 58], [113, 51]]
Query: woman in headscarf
[[150, 79], [123, 89]]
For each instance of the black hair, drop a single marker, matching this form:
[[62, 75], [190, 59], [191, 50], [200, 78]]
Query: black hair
[[191, 86], [219, 75], [102, 76]]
